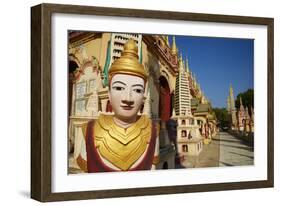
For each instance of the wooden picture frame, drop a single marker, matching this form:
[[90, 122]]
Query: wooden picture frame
[[41, 98]]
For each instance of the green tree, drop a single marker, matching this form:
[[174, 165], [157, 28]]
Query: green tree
[[247, 99], [222, 116]]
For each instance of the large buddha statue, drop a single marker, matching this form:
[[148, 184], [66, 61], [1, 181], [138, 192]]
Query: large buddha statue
[[124, 141]]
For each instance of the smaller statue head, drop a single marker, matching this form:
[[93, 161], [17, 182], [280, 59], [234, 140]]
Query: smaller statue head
[[127, 80]]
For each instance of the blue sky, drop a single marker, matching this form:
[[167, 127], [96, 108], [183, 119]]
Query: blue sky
[[219, 62]]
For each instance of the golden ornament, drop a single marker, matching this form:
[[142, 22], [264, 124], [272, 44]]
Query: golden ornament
[[122, 147]]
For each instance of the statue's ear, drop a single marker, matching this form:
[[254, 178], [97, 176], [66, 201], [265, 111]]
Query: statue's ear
[[144, 96]]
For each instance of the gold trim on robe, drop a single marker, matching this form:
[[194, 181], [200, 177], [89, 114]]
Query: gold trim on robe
[[122, 147]]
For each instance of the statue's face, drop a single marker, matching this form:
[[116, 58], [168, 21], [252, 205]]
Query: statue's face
[[126, 95]]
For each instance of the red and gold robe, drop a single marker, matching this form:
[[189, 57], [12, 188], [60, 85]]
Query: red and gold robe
[[127, 149]]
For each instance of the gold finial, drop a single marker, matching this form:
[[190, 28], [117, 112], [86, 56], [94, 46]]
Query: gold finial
[[174, 47], [128, 62]]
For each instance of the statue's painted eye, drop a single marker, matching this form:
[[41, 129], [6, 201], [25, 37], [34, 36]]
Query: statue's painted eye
[[118, 88], [138, 91]]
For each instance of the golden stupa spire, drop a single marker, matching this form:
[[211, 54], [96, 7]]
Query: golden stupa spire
[[194, 77], [230, 89], [128, 63], [168, 41], [174, 47], [195, 81], [228, 104], [186, 65], [166, 37], [181, 64]]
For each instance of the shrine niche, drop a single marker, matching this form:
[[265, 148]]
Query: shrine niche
[[87, 83]]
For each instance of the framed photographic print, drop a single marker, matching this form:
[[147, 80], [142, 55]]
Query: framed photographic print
[[132, 102]]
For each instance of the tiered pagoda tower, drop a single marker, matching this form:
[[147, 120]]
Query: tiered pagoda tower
[[189, 140], [232, 109], [241, 116], [182, 92], [247, 127]]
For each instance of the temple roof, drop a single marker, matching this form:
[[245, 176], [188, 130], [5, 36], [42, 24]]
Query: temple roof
[[203, 108], [194, 102], [200, 107]]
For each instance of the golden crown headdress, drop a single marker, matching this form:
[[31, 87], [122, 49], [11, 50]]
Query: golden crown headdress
[[128, 63]]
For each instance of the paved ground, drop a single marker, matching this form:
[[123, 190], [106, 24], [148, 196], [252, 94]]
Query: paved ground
[[209, 157], [224, 150], [234, 152]]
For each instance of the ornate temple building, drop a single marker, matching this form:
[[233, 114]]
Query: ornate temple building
[[241, 121], [172, 92], [245, 119]]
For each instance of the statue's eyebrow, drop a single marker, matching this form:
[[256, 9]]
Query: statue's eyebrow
[[140, 85], [118, 82]]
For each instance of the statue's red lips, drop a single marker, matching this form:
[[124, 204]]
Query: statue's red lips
[[127, 107]]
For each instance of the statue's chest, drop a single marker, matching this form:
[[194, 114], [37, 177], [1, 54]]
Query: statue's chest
[[120, 147]]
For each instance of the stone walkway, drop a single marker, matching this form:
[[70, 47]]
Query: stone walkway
[[224, 150], [234, 152]]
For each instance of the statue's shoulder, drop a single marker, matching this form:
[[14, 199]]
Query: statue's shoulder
[[155, 124], [146, 118], [105, 117], [86, 125], [104, 121]]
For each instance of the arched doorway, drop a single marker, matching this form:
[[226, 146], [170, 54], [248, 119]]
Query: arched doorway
[[165, 100]]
